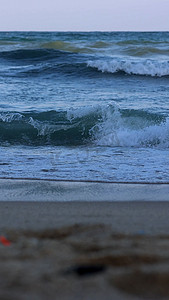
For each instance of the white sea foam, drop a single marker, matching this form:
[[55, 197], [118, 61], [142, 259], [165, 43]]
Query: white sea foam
[[140, 67], [74, 113], [9, 117], [117, 131], [124, 137], [46, 128]]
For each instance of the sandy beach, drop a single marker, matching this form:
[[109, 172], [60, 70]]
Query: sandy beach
[[84, 250]]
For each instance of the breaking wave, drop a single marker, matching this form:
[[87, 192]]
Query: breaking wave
[[52, 61], [95, 125], [144, 67]]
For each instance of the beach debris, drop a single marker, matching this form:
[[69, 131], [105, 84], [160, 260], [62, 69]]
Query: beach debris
[[86, 270], [4, 241]]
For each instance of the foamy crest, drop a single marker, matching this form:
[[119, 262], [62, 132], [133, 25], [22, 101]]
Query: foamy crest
[[46, 128], [77, 113], [10, 117], [42, 128], [118, 131], [142, 67], [103, 125]]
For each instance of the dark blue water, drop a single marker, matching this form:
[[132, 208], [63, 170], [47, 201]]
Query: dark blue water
[[88, 106]]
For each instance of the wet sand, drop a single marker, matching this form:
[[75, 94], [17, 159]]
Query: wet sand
[[84, 250], [55, 190]]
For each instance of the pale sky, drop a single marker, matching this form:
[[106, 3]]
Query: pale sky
[[84, 15]]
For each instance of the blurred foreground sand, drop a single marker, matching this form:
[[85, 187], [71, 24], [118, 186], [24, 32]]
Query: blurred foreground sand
[[84, 250]]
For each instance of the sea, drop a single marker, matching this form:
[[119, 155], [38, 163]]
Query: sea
[[85, 106]]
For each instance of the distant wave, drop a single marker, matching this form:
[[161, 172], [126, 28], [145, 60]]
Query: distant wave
[[32, 61], [67, 46], [141, 42], [142, 67], [101, 125], [145, 51], [31, 54]]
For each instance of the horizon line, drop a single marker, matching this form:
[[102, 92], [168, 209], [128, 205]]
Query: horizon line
[[86, 31]]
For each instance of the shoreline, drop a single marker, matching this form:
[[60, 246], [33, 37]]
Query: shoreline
[[49, 190], [82, 180]]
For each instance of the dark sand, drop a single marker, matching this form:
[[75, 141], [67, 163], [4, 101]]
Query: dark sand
[[83, 250]]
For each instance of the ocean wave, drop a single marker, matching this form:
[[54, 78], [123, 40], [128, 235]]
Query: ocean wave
[[130, 128], [44, 61], [141, 42], [151, 136], [45, 128], [51, 69], [7, 43], [66, 46], [142, 67], [40, 61], [132, 49], [100, 44], [33, 55], [145, 51], [96, 125], [10, 117], [36, 61]]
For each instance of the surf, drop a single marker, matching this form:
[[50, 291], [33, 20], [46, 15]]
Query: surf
[[145, 67], [90, 125]]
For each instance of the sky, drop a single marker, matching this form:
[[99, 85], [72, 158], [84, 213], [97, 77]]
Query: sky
[[84, 15]]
